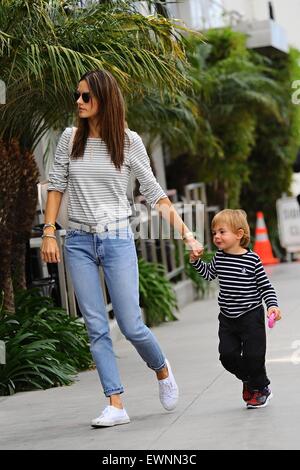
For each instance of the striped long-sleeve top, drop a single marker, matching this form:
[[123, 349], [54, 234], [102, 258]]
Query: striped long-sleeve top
[[242, 279], [97, 190]]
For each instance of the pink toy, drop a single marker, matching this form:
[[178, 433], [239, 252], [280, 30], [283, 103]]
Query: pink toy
[[271, 320]]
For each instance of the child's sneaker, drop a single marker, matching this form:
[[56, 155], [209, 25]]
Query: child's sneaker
[[111, 416], [260, 398], [168, 390], [247, 393]]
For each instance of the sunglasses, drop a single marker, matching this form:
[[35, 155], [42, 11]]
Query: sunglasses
[[85, 96]]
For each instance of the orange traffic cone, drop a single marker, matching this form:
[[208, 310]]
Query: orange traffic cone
[[262, 245]]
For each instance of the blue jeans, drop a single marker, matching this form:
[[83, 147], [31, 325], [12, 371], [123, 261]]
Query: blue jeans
[[115, 252]]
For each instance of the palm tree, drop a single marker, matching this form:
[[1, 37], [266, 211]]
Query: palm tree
[[10, 176], [45, 46], [51, 48]]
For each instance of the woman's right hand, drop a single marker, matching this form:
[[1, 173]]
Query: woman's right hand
[[50, 251]]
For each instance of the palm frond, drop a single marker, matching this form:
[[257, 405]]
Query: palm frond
[[51, 46]]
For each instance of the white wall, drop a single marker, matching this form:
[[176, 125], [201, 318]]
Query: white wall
[[286, 13], [158, 161], [198, 14], [295, 186], [44, 153]]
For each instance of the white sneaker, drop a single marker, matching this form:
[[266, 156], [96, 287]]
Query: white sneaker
[[168, 390], [111, 416]]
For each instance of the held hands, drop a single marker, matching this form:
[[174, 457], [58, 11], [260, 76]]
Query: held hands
[[276, 312], [195, 257], [196, 249]]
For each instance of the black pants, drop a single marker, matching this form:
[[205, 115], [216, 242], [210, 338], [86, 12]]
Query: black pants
[[242, 347]]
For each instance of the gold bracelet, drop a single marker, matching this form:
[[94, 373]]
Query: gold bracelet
[[49, 225], [48, 236]]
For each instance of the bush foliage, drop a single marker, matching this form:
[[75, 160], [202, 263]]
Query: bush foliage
[[44, 346], [247, 135]]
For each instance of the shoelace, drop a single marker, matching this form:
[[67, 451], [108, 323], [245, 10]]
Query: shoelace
[[168, 388], [104, 412]]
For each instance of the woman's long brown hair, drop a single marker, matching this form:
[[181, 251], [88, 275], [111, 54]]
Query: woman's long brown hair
[[103, 86]]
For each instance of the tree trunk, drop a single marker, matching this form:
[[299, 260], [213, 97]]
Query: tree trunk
[[18, 179], [9, 187], [6, 284], [24, 217], [18, 263]]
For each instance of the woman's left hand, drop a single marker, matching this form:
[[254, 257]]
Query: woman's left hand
[[196, 249]]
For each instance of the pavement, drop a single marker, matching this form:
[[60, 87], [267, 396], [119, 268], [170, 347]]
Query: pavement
[[210, 413]]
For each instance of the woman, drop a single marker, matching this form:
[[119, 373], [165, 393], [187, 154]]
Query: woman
[[102, 158]]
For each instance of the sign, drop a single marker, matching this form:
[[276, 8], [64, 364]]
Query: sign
[[288, 216]]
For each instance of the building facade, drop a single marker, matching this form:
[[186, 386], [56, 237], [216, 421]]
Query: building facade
[[205, 14], [285, 13]]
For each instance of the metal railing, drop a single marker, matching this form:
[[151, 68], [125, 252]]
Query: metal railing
[[155, 241], [68, 299], [197, 192]]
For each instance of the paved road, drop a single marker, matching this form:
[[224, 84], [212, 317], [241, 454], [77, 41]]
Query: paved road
[[211, 414]]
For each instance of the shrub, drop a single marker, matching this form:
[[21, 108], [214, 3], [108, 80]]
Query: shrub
[[44, 346], [202, 286], [156, 294]]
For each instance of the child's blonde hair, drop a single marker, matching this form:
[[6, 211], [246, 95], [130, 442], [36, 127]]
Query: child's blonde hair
[[236, 219]]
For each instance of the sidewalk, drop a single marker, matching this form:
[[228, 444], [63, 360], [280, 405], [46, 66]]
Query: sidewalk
[[210, 414]]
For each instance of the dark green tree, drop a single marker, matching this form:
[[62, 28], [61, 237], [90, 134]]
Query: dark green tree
[[277, 143], [231, 90]]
